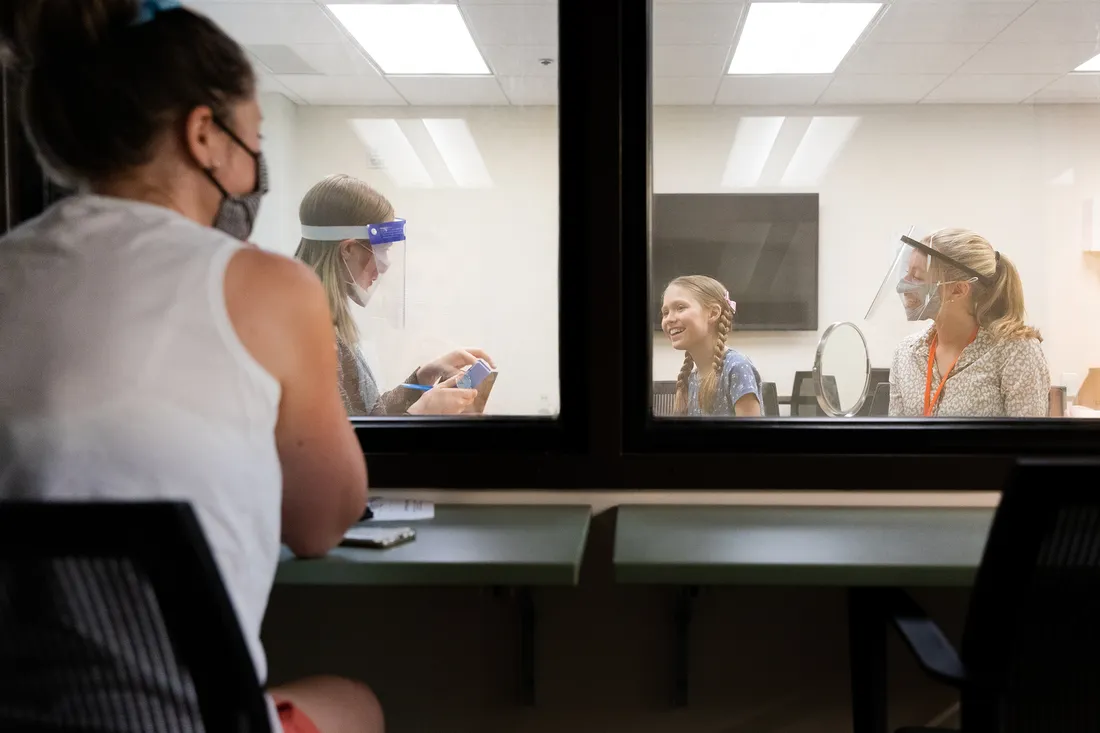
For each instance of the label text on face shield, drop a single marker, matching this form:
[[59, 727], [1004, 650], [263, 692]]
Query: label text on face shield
[[386, 232]]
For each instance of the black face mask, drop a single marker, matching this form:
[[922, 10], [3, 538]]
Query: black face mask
[[237, 214]]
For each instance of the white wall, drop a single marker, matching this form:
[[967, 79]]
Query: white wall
[[483, 261], [278, 217]]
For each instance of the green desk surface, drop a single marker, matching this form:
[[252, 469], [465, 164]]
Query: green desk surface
[[462, 545], [715, 545]]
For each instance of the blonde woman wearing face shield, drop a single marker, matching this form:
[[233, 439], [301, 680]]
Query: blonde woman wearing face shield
[[978, 358], [340, 215]]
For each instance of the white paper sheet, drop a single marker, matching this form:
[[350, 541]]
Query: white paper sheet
[[400, 510]]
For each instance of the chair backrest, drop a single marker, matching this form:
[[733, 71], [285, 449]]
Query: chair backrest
[[878, 376], [770, 408], [1032, 640], [664, 396], [804, 395], [113, 617], [880, 402]]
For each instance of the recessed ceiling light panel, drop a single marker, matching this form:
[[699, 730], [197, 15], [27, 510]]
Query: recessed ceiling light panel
[[799, 38], [1092, 64], [413, 39]]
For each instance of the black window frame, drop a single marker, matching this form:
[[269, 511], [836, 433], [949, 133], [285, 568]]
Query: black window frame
[[582, 440], [789, 453]]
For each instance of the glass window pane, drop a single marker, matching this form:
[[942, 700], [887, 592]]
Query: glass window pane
[[444, 116], [924, 173]]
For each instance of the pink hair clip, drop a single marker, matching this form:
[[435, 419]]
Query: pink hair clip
[[733, 305]]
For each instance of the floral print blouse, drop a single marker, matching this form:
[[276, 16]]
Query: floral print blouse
[[992, 378]]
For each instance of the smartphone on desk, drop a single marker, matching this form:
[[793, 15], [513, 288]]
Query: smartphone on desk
[[378, 537]]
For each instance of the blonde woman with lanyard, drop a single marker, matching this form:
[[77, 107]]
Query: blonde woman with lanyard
[[351, 238], [978, 340]]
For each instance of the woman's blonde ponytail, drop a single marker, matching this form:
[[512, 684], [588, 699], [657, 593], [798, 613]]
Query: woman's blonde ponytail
[[1001, 310]]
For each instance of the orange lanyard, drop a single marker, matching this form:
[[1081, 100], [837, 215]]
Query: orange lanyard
[[930, 399]]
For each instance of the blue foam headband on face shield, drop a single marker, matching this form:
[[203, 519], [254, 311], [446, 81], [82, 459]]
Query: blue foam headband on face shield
[[384, 233]]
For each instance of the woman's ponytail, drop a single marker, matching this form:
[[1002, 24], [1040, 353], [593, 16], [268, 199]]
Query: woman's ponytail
[[1000, 308]]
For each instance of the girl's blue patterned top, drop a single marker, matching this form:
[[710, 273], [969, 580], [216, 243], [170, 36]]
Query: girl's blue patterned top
[[738, 378]]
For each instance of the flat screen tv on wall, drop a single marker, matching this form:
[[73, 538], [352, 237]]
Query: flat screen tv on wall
[[763, 247]]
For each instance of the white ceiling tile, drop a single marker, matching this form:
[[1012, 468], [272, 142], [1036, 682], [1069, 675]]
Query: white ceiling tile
[[513, 25], [687, 91], [280, 59], [908, 58], [688, 61], [341, 90], [992, 88], [454, 90], [336, 59], [1029, 58], [1057, 21], [266, 84], [521, 60], [1071, 88], [945, 22], [530, 90], [880, 88], [772, 89], [273, 23], [695, 24]]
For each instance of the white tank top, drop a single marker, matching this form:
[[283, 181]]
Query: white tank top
[[121, 377]]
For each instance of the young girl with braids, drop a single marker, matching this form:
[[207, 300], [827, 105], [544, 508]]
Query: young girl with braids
[[715, 381]]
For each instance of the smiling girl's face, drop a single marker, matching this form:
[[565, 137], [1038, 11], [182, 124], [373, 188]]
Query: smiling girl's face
[[685, 321]]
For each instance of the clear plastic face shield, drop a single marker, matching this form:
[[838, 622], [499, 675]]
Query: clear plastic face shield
[[916, 279], [374, 266]]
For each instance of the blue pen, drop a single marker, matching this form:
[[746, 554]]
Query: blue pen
[[418, 387]]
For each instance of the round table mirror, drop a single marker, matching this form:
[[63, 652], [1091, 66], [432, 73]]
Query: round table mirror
[[842, 370]]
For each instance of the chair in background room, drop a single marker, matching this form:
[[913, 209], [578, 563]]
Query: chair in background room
[[1031, 645], [96, 598], [878, 376], [880, 402], [804, 396], [770, 408], [664, 395]]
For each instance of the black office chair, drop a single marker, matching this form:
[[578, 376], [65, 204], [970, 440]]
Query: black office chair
[[770, 408], [113, 617], [664, 397], [1031, 647], [804, 395], [880, 403], [875, 382], [878, 376]]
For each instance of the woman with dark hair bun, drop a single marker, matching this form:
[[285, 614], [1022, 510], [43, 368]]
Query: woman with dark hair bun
[[147, 352]]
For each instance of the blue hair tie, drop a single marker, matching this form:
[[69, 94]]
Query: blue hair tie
[[148, 9]]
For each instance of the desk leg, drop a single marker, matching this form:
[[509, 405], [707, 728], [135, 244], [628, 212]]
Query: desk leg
[[867, 659], [523, 602], [681, 641], [526, 645]]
